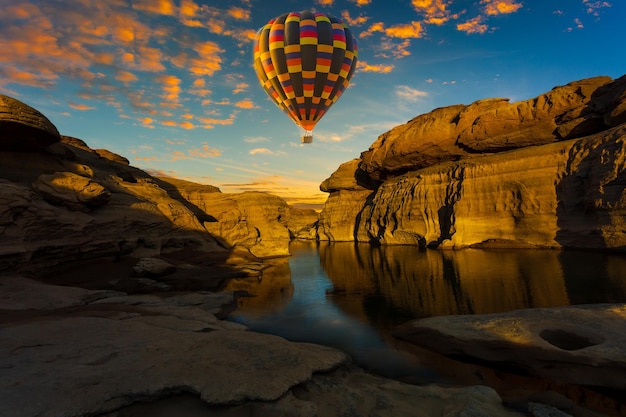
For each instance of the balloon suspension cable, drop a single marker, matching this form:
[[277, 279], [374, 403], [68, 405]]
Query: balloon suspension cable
[[308, 136]]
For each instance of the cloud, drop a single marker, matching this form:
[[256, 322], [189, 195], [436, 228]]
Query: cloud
[[325, 3], [435, 12], [354, 21], [409, 30], [361, 3], [171, 88], [240, 88], [164, 7], [496, 7], [381, 68], [245, 104], [474, 25], [409, 94], [265, 151], [593, 7], [239, 13], [256, 139], [79, 106], [205, 151]]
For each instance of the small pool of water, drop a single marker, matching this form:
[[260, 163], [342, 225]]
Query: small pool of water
[[353, 297]]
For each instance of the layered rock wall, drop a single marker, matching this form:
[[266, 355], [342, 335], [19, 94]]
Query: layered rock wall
[[557, 193]]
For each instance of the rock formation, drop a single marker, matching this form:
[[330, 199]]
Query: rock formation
[[22, 128], [63, 202], [576, 344], [467, 175], [70, 351]]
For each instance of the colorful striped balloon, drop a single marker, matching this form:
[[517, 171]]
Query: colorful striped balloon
[[304, 61]]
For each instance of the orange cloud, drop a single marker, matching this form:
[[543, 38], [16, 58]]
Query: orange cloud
[[171, 87], [409, 30], [374, 27], [147, 122], [435, 12], [205, 152], [240, 88], [188, 8], [164, 7], [239, 13], [79, 106], [496, 7], [353, 21], [125, 77], [361, 3], [474, 25], [209, 122], [325, 3], [365, 67], [245, 104]]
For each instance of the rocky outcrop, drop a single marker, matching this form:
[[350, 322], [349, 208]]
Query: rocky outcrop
[[576, 344], [568, 193], [122, 352], [451, 133], [22, 128], [67, 203]]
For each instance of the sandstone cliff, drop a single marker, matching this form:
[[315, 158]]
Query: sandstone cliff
[[546, 172], [62, 202]]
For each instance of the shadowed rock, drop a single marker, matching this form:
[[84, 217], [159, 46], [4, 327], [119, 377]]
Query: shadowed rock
[[22, 128]]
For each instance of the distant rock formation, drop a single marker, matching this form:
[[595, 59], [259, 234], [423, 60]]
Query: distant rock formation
[[63, 202], [546, 172]]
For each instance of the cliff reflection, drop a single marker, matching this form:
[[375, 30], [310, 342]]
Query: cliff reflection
[[425, 283], [268, 294]]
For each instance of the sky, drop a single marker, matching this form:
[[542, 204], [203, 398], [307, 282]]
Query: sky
[[169, 84]]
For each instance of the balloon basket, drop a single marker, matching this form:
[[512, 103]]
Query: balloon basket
[[307, 138]]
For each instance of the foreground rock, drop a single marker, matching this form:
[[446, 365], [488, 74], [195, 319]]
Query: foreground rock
[[421, 184], [72, 352], [583, 345]]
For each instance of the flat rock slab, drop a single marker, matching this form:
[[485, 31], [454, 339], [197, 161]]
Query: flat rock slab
[[583, 344], [89, 365]]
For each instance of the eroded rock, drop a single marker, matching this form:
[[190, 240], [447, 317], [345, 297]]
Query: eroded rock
[[22, 128], [582, 344], [72, 191]]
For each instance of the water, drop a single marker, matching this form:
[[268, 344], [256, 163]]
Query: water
[[352, 297]]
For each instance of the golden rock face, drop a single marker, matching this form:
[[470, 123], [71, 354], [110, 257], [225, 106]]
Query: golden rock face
[[439, 186]]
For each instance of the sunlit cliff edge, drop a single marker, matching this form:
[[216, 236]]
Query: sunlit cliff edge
[[545, 172]]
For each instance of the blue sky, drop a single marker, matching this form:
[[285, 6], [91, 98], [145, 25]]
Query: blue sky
[[169, 84]]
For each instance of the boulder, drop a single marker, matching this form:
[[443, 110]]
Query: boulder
[[22, 128], [583, 344], [73, 191], [153, 267]]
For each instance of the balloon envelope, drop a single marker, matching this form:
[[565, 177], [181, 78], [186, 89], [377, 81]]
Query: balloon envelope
[[304, 61]]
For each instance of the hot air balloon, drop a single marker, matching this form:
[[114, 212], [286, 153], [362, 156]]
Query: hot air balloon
[[304, 61]]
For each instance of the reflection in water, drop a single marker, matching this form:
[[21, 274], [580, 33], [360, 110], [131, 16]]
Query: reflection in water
[[352, 296]]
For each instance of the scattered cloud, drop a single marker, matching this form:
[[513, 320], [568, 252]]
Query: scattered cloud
[[361, 3], [434, 12], [325, 3], [205, 151], [409, 94], [381, 68], [266, 151], [256, 139], [593, 7], [245, 104], [79, 106], [496, 7], [474, 25], [354, 21]]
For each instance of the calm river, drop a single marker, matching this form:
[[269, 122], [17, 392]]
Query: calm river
[[352, 297]]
